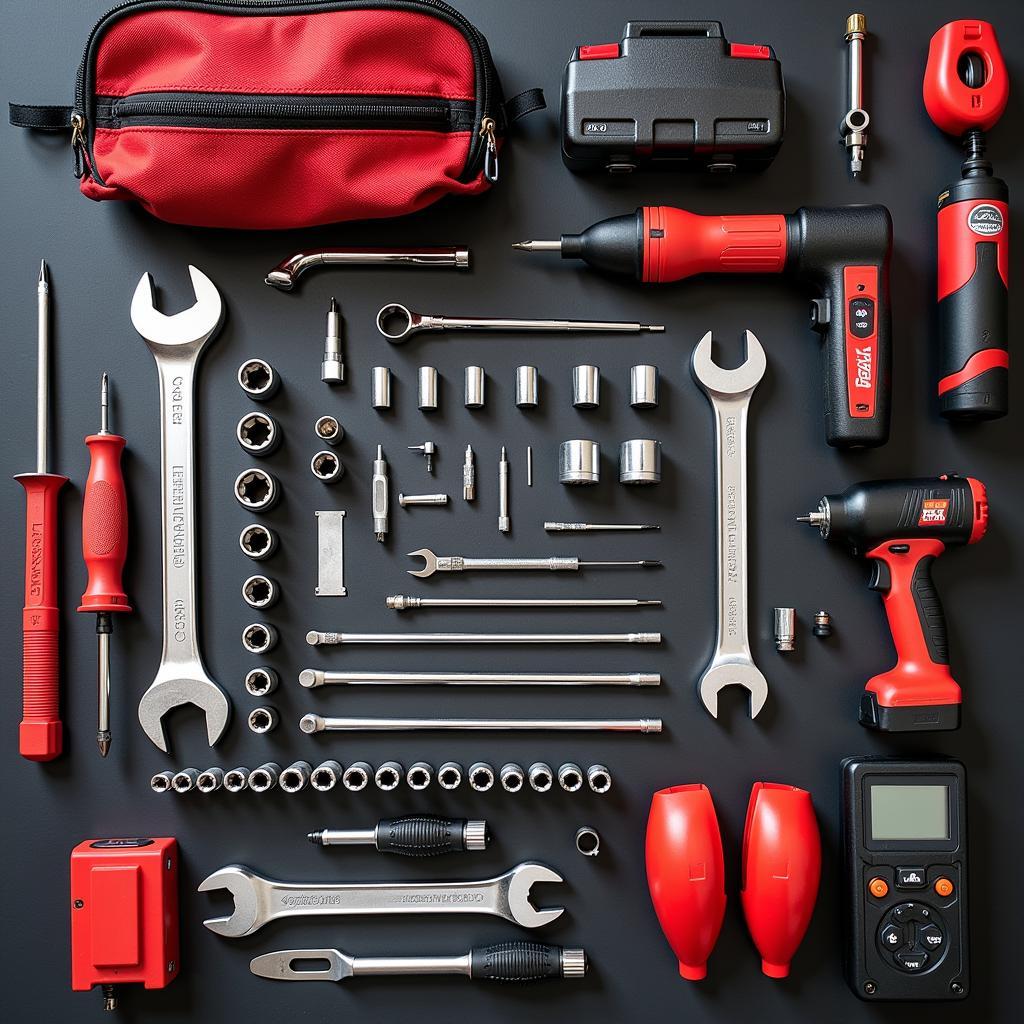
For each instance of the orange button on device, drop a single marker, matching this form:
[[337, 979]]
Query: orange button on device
[[878, 887], [943, 886]]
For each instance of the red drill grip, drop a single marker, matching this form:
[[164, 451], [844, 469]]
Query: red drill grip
[[105, 526], [40, 736], [678, 244]]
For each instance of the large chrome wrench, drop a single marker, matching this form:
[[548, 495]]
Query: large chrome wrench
[[176, 343], [729, 393], [259, 900]]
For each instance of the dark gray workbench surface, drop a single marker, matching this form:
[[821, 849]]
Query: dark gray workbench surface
[[97, 253]]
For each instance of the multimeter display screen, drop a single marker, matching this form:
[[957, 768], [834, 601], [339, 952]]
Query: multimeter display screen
[[909, 812]]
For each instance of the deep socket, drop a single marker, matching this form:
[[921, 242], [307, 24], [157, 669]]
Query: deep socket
[[258, 434], [236, 779], [449, 775], [260, 591], [295, 777], [257, 490], [481, 776], [257, 541], [259, 637], [262, 720], [258, 379], [325, 776], [264, 777], [388, 776], [356, 776], [261, 681], [419, 776]]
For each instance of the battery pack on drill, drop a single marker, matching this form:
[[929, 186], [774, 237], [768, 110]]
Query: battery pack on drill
[[672, 95]]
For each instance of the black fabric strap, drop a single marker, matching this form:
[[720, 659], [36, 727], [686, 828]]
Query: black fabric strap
[[524, 103], [51, 118]]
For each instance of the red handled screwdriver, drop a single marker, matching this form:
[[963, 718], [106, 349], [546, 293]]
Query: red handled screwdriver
[[104, 547], [40, 736]]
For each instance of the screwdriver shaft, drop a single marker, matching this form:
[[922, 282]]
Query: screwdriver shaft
[[42, 366], [316, 638]]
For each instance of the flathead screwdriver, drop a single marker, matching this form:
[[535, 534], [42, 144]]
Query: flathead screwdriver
[[104, 548]]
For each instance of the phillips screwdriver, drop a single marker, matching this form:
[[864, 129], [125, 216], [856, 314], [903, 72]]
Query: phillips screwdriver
[[40, 736], [104, 548]]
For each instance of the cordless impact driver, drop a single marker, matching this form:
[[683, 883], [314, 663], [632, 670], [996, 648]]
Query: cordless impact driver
[[842, 252], [902, 525]]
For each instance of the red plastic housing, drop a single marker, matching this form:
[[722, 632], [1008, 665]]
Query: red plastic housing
[[781, 872], [124, 912], [686, 873]]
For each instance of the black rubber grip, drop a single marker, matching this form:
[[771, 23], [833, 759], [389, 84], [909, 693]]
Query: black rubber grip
[[421, 835], [516, 961], [929, 611]]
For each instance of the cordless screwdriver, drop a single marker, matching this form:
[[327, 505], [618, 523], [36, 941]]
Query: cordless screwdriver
[[902, 526], [842, 252]]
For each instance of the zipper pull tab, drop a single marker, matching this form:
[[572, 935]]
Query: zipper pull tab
[[78, 143], [487, 127]]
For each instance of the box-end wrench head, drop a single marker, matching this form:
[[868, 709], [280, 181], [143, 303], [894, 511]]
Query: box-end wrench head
[[258, 900]]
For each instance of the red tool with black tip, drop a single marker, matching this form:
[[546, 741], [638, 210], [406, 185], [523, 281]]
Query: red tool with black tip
[[902, 526], [966, 87], [842, 252]]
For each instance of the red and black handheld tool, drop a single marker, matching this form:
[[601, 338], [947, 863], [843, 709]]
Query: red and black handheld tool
[[966, 87], [902, 525], [842, 252]]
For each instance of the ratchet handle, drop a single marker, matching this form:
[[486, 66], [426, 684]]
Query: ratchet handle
[[40, 736], [421, 835], [105, 526], [519, 961]]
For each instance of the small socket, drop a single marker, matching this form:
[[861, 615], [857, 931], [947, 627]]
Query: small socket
[[236, 779], [579, 462], [599, 779], [260, 591], [185, 780], [419, 776], [643, 386], [210, 780], [161, 782], [258, 379], [264, 777], [256, 490], [325, 776], [481, 776], [449, 775], [388, 776], [329, 430], [822, 623], [512, 777], [540, 776], [326, 467], [640, 461], [295, 777], [784, 621], [263, 719], [261, 681], [527, 387], [380, 387], [356, 776], [588, 842], [586, 386], [257, 541], [259, 637], [427, 388], [258, 434], [570, 777], [475, 387]]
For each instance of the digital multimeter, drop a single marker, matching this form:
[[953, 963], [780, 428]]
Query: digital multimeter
[[905, 868]]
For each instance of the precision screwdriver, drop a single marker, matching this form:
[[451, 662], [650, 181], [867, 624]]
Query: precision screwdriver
[[104, 548], [41, 735], [379, 495]]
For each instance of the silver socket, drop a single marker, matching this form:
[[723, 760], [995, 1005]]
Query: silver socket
[[579, 462], [599, 779], [643, 386], [389, 775], [588, 842], [185, 780], [640, 461], [264, 777], [161, 782], [263, 719], [210, 780], [785, 628], [329, 430], [527, 387], [257, 541], [419, 776], [259, 637], [295, 777], [427, 388], [570, 777], [258, 379], [475, 387], [356, 776], [258, 434], [540, 776], [256, 489], [586, 386], [260, 591], [326, 467], [407, 500], [261, 681], [236, 779], [380, 387], [481, 776], [512, 777], [449, 775], [325, 776]]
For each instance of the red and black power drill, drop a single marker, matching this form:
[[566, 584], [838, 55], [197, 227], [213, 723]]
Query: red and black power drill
[[902, 525], [841, 251], [965, 92]]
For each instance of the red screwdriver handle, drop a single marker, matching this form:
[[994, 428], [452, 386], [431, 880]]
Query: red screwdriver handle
[[40, 736], [105, 526]]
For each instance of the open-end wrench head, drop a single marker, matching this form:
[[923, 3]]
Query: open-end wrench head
[[243, 885], [717, 380], [739, 673], [165, 694], [520, 880], [429, 563], [192, 327]]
